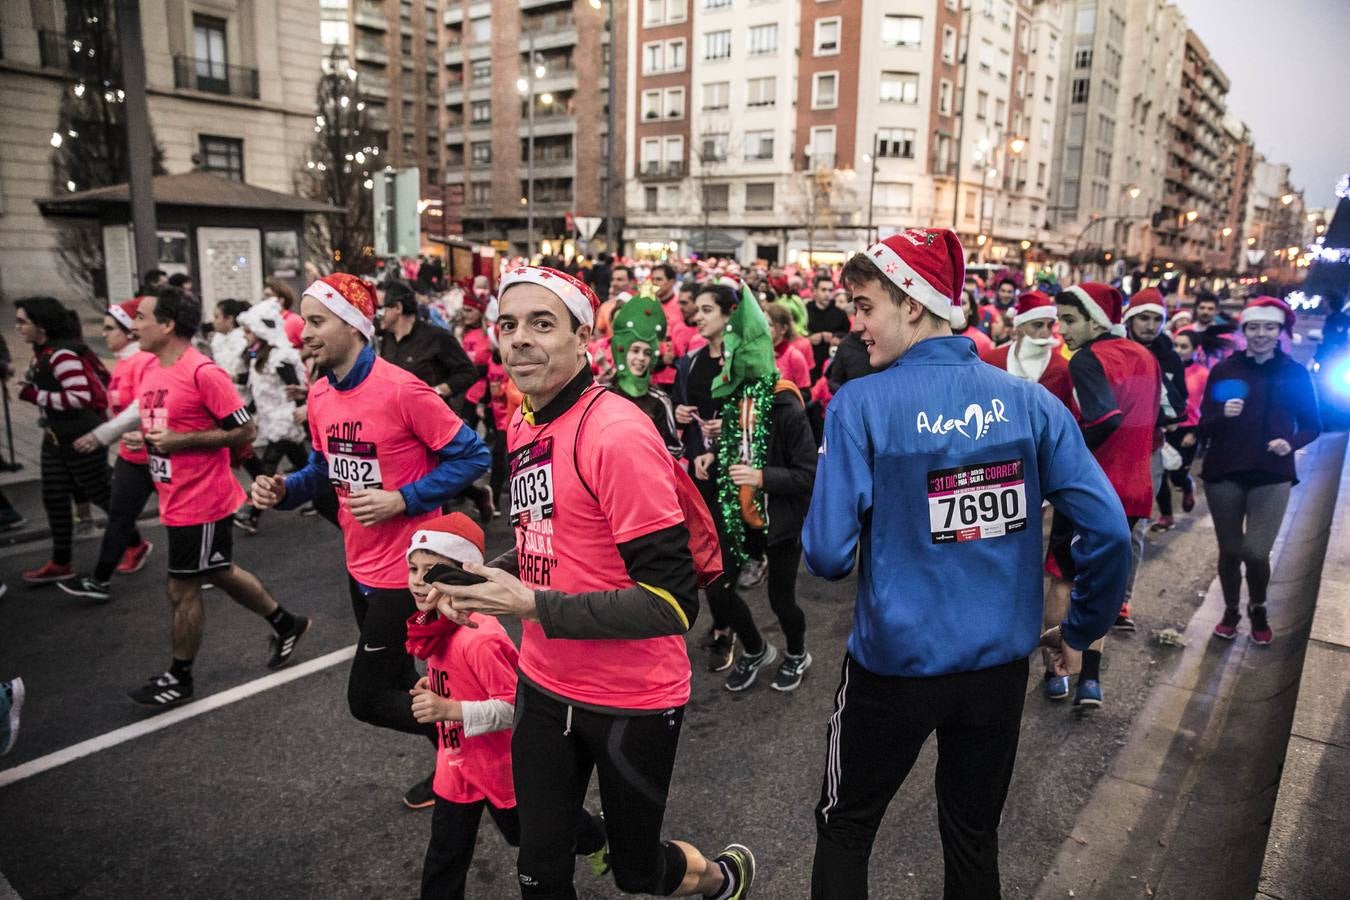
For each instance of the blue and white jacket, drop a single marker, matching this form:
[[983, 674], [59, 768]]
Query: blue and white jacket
[[932, 474]]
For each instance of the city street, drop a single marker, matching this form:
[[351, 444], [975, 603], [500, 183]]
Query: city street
[[282, 793]]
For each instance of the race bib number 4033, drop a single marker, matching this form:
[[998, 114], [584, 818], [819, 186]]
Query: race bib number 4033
[[532, 482], [975, 502]]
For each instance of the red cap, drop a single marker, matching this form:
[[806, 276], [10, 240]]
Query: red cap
[[454, 536], [1035, 305], [1103, 304], [929, 265]]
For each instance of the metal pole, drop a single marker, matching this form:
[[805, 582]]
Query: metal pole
[[872, 189], [529, 159], [961, 115], [611, 185], [140, 171], [984, 178]]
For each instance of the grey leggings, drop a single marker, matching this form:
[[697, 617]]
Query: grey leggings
[[1248, 542]]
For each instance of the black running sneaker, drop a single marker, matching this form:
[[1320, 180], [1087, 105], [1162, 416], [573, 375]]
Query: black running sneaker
[[420, 795], [721, 652], [790, 673], [162, 691], [741, 862], [88, 587], [747, 668], [283, 645]]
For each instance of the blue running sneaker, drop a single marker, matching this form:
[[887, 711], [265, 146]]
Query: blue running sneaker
[[11, 704], [1056, 687], [1088, 695]]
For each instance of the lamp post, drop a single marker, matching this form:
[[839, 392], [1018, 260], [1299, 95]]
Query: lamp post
[[871, 186], [535, 69], [611, 115]]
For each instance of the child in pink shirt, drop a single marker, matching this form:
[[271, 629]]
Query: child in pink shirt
[[469, 693]]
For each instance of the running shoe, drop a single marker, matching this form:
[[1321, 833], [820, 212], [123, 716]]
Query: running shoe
[[420, 795], [11, 704], [721, 652], [752, 574], [162, 691], [1089, 695], [1261, 633], [1124, 621], [747, 668], [307, 509], [246, 520], [88, 587], [598, 862], [283, 645], [1056, 687], [741, 862], [790, 673], [49, 573], [1227, 627], [1162, 523], [134, 559], [1188, 501], [487, 509]]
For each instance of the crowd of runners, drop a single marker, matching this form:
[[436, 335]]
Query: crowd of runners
[[657, 430]]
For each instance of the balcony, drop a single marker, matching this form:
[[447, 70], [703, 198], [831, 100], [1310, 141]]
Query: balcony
[[454, 96], [375, 87], [454, 55], [453, 15], [212, 77], [371, 53], [657, 171], [369, 18], [551, 168]]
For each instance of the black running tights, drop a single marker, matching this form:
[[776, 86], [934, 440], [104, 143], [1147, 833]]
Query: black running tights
[[382, 671], [132, 487], [64, 472], [730, 608]]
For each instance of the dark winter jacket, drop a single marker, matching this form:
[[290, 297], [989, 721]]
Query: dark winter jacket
[[1278, 402], [790, 468]]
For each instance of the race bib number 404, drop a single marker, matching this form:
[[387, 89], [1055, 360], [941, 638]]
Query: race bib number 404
[[975, 502], [353, 465], [161, 469], [532, 482]]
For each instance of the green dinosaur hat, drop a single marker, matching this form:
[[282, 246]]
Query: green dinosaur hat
[[747, 347], [639, 319]]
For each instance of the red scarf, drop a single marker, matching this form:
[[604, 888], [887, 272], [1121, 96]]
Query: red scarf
[[426, 631]]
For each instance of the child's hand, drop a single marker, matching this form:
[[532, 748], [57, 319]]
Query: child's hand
[[428, 708]]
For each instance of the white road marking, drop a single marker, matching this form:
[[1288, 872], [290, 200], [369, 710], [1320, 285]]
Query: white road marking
[[187, 711]]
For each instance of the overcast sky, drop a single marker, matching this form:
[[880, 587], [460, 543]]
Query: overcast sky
[[1289, 67]]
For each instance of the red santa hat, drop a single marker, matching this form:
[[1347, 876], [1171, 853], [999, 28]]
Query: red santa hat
[[454, 536], [1148, 300], [579, 299], [124, 313], [928, 264], [349, 298], [1102, 303], [1035, 305], [1269, 309]]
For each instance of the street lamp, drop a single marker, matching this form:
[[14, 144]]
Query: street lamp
[[871, 158], [1192, 215], [526, 86], [1287, 199], [1134, 193], [611, 181]]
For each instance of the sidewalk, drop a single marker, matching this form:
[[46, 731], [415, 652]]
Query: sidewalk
[[1186, 807]]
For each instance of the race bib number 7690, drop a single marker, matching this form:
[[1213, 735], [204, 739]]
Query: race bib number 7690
[[975, 502]]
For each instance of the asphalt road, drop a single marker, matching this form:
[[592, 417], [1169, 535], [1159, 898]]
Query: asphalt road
[[284, 794]]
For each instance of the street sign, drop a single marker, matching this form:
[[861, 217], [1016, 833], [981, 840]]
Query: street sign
[[586, 226], [1254, 257], [398, 225]]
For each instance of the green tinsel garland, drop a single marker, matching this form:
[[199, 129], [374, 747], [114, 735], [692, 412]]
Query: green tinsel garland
[[729, 454]]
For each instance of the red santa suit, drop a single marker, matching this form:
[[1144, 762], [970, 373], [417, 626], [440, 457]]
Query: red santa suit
[[1043, 364]]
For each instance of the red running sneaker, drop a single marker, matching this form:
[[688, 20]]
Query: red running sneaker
[[134, 559], [1188, 501], [1227, 627], [1261, 633], [49, 574], [1162, 523]]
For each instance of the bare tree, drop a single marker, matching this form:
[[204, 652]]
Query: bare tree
[[714, 152]]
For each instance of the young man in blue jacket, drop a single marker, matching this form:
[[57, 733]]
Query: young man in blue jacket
[[931, 476]]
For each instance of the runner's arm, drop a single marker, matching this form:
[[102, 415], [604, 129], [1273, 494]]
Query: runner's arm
[[663, 601], [841, 498], [74, 391], [1076, 486], [236, 430], [484, 716], [461, 373], [1101, 414], [460, 463], [304, 485], [127, 420]]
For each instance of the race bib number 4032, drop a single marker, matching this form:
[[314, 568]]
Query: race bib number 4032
[[353, 465], [975, 502], [532, 482]]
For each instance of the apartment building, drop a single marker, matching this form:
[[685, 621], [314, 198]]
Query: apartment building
[[1274, 218], [791, 129], [559, 51], [231, 90]]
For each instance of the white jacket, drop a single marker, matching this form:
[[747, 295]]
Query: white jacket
[[272, 409]]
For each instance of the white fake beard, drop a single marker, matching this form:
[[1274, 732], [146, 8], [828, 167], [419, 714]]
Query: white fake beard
[[1030, 356]]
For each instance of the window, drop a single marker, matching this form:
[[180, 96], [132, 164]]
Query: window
[[986, 56], [223, 156], [763, 39], [717, 45], [716, 197], [649, 199], [1021, 82], [480, 193], [714, 146], [480, 153], [676, 11], [481, 71], [944, 97], [1049, 88], [759, 196], [820, 152], [480, 112], [759, 145], [1040, 175], [895, 143], [894, 195], [480, 30], [901, 31], [1079, 93], [1000, 110], [674, 103], [653, 57], [208, 42], [761, 92], [1045, 132], [1082, 59], [970, 205], [331, 33], [827, 36], [948, 44], [899, 87], [717, 95], [675, 55], [651, 155], [716, 4], [825, 90], [1087, 20], [653, 13], [651, 104], [1077, 127], [982, 105], [673, 148]]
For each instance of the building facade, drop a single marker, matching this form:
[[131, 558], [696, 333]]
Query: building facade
[[231, 90]]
